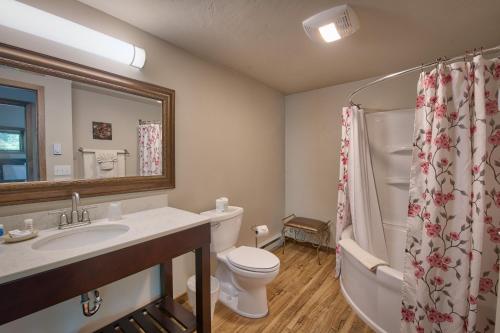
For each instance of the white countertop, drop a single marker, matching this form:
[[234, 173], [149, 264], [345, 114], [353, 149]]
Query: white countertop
[[18, 260]]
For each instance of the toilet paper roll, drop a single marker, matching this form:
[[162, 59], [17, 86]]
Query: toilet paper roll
[[261, 230]]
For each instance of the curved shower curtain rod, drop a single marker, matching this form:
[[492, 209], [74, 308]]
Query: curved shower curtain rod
[[421, 67]]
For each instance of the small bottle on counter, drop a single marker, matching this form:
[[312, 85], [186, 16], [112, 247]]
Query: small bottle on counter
[[2, 230]]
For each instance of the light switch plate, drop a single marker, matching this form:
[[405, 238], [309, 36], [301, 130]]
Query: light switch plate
[[57, 149], [62, 170]]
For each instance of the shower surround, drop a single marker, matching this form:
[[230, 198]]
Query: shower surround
[[389, 136]]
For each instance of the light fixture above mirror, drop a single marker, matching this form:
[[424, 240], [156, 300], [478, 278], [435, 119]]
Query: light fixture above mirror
[[19, 16]]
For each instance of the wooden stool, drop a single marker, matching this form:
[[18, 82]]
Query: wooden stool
[[314, 227]]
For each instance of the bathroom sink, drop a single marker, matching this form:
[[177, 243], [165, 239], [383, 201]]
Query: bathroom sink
[[80, 236]]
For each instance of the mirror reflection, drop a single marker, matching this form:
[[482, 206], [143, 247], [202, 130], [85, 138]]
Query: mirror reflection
[[56, 129]]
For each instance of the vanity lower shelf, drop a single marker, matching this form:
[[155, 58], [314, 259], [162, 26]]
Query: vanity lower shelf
[[162, 315]]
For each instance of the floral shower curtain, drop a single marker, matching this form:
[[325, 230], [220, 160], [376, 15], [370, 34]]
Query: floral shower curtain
[[452, 251], [150, 138], [343, 209]]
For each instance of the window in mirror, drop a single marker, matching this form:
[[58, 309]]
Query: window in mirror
[[11, 140], [19, 151]]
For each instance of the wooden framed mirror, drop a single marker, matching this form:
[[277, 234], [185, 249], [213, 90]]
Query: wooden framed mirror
[[66, 127]]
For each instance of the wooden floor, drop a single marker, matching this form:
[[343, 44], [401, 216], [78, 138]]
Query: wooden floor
[[304, 297]]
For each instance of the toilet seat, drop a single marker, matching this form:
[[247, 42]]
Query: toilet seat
[[253, 259]]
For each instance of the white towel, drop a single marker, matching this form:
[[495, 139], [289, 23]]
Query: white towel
[[366, 259], [92, 169], [106, 159]]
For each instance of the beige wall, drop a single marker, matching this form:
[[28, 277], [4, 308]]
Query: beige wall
[[123, 112], [229, 141], [58, 128], [313, 140], [229, 129]]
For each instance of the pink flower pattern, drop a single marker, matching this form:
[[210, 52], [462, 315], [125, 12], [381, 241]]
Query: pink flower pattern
[[150, 138], [343, 212], [440, 110], [413, 209], [453, 245]]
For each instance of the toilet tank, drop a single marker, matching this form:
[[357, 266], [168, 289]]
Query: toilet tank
[[225, 227]]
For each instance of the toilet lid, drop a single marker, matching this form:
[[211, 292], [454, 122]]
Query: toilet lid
[[253, 259]]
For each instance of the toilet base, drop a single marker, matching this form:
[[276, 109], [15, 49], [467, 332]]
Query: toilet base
[[243, 291], [232, 303]]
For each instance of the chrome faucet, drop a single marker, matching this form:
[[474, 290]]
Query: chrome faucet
[[75, 202], [77, 216]]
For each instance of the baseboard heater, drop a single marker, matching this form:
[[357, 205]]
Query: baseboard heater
[[272, 243]]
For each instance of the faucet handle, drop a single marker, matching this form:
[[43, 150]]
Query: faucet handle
[[85, 215], [63, 219]]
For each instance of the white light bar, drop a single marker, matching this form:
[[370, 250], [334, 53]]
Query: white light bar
[[19, 16]]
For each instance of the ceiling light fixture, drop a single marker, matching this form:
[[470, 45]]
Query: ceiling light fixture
[[331, 24], [19, 16], [329, 32]]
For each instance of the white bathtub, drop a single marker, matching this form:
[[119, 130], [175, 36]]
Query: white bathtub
[[376, 296]]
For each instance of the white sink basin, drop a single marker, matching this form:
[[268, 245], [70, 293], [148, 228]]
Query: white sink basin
[[80, 236]]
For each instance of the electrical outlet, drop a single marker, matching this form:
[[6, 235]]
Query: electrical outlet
[[62, 170]]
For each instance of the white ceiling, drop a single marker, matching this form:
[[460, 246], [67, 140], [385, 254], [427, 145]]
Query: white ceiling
[[264, 38]]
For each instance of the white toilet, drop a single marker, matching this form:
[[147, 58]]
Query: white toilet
[[243, 272]]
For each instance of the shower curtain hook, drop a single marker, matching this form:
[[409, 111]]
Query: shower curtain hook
[[438, 62], [354, 104], [470, 54]]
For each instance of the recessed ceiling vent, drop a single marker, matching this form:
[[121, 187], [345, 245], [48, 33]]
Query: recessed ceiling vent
[[331, 24]]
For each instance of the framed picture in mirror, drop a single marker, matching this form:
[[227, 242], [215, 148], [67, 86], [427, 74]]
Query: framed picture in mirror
[[102, 131]]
